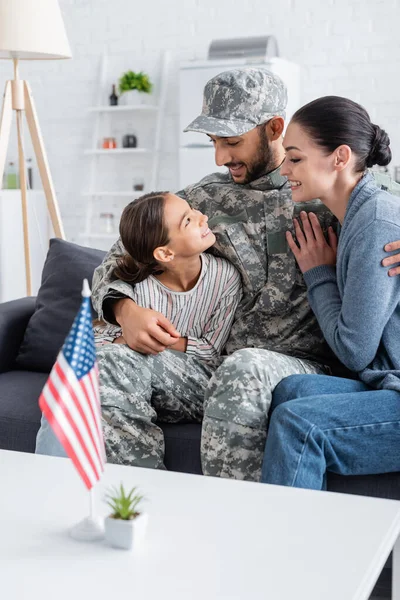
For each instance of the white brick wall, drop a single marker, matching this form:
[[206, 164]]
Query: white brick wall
[[345, 47]]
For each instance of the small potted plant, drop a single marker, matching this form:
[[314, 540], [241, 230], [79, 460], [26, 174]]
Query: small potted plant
[[125, 521], [133, 86]]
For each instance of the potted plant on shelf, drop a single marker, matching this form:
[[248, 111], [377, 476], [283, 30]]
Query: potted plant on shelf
[[126, 522], [133, 86]]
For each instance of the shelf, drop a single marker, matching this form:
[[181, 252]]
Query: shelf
[[132, 194], [100, 192], [144, 107], [104, 152]]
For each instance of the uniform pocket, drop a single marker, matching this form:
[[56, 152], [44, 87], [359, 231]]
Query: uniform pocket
[[281, 276], [234, 243]]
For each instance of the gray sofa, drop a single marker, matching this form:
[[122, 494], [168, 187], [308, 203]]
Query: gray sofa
[[32, 330]]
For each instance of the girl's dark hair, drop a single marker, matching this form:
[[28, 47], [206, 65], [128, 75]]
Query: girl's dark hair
[[142, 230], [332, 121]]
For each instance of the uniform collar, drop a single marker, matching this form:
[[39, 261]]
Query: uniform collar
[[270, 181]]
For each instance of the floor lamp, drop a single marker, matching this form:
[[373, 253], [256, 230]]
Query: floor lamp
[[29, 30]]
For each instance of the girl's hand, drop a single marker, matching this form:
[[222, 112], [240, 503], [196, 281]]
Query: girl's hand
[[392, 260], [313, 249]]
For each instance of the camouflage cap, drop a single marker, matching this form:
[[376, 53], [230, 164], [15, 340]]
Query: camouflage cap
[[238, 100]]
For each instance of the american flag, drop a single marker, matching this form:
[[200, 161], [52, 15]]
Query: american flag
[[70, 400]]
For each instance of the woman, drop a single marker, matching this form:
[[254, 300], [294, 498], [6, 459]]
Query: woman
[[321, 423], [165, 240]]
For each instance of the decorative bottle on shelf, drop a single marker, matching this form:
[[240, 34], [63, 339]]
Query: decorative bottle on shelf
[[113, 98], [11, 177], [107, 220], [30, 173]]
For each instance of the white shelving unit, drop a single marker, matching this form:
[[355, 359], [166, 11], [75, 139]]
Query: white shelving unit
[[117, 151], [150, 153], [115, 194], [118, 108]]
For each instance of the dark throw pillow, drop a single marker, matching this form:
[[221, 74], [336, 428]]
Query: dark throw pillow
[[57, 303]]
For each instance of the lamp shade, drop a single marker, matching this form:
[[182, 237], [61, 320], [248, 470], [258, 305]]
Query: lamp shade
[[32, 29]]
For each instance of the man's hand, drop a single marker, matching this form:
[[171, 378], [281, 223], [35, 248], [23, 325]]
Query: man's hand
[[391, 260], [144, 330], [314, 249], [180, 345]]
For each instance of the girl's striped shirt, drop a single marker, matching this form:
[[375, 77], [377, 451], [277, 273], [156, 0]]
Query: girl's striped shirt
[[203, 315]]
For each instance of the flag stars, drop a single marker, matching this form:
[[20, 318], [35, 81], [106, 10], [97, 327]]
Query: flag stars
[[79, 349]]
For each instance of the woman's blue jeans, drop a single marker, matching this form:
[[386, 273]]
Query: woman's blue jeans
[[320, 423]]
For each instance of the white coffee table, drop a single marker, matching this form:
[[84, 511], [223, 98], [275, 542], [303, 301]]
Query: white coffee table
[[207, 538]]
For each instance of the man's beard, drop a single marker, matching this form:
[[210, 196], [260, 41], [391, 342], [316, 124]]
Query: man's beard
[[263, 161]]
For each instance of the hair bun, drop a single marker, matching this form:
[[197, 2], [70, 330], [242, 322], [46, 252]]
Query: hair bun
[[380, 153]]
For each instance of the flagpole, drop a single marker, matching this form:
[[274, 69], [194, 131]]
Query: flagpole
[[91, 528], [91, 497], [73, 409]]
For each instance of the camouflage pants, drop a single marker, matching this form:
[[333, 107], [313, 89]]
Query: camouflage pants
[[236, 408], [136, 390]]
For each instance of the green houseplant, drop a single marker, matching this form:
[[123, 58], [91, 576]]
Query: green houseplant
[[132, 86], [126, 520]]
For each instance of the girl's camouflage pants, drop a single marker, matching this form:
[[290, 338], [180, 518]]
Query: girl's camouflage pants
[[136, 390], [236, 408]]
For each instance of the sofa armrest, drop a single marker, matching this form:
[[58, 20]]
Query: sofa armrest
[[14, 317]]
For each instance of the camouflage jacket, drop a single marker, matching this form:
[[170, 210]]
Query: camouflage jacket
[[250, 222]]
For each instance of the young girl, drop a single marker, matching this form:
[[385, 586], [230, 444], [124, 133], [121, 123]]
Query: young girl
[[164, 269], [320, 423]]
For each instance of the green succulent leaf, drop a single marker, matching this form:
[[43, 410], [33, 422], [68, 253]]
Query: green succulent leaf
[[124, 506], [135, 81]]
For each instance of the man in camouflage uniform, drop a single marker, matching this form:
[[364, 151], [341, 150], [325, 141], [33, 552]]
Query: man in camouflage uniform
[[275, 333], [249, 219]]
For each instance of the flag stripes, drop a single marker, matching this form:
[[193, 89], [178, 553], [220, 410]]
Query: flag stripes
[[70, 400]]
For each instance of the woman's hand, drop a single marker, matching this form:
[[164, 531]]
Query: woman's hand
[[392, 260], [313, 249]]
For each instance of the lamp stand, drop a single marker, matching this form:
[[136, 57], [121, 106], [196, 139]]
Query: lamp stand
[[18, 97]]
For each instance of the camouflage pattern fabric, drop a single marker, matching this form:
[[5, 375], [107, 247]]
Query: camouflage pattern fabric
[[249, 222], [136, 390], [236, 408], [236, 101]]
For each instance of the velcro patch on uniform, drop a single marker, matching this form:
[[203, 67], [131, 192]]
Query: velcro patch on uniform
[[276, 243], [227, 219]]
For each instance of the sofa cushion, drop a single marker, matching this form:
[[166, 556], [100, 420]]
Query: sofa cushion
[[182, 447], [57, 303], [19, 409]]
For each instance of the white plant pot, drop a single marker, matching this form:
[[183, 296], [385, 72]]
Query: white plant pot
[[125, 534], [132, 97]]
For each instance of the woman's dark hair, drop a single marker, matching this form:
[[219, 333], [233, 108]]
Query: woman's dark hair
[[332, 121], [142, 230]]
